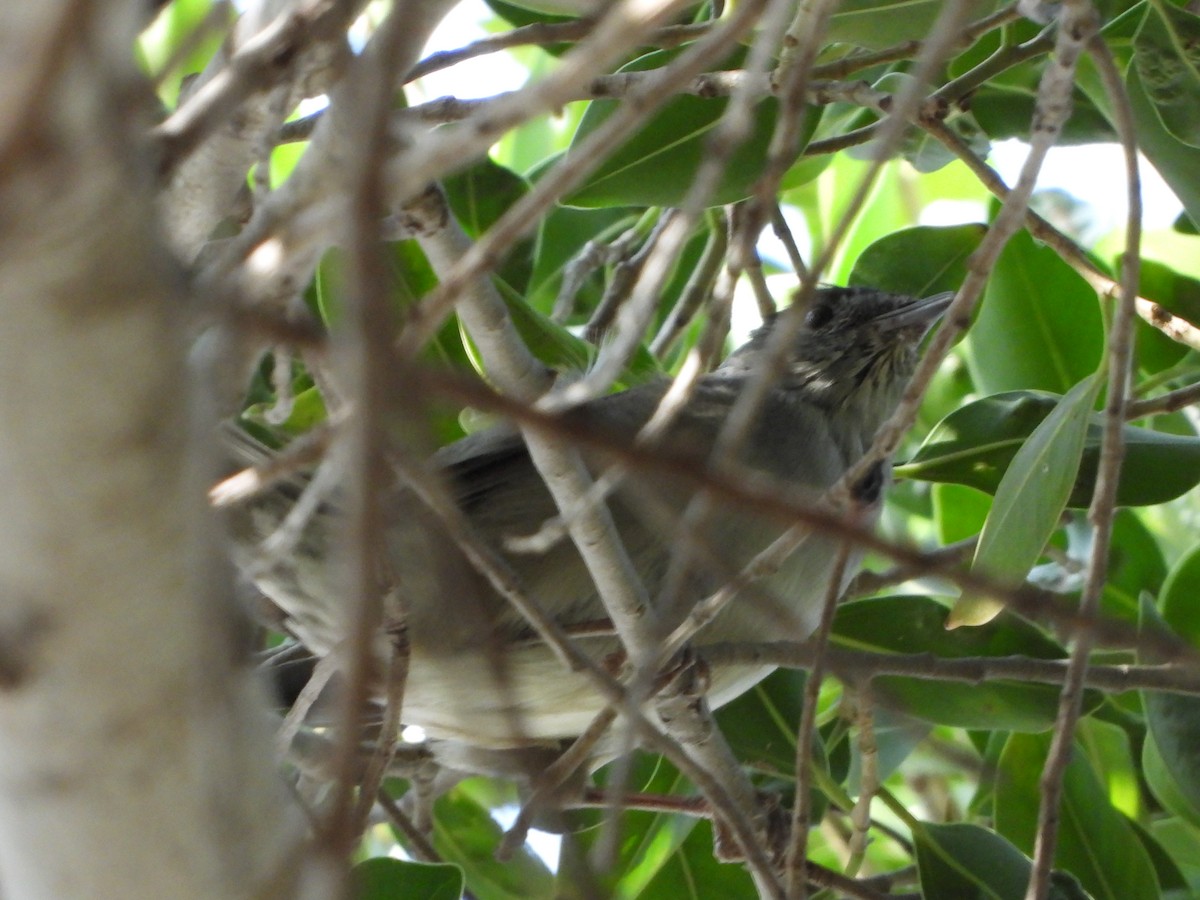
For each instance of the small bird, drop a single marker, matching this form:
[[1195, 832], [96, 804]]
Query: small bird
[[478, 681]]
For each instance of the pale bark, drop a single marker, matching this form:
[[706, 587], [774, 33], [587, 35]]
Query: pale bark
[[134, 756]]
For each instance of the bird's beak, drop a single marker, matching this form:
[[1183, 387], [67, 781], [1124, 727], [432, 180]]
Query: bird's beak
[[920, 315]]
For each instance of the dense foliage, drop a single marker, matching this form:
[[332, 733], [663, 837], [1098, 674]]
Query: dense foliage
[[950, 729]]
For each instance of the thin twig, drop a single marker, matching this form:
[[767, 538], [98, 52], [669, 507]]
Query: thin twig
[[365, 365], [1079, 21], [1175, 327], [585, 157], [1166, 403], [543, 34], [797, 850], [855, 665]]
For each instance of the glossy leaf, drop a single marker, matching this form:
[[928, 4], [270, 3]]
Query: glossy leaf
[[693, 873], [1039, 327], [959, 512], [761, 723], [918, 261], [874, 24], [1030, 499], [1175, 292], [760, 727], [1180, 597], [656, 166], [556, 346], [1176, 161], [961, 861], [1164, 785], [466, 835], [1135, 565], [1166, 55], [478, 196], [1003, 112], [976, 444], [915, 624], [1173, 728], [383, 878], [1095, 842], [563, 235], [650, 841]]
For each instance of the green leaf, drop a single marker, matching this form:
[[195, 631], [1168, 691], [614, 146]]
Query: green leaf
[[557, 347], [896, 735], [465, 834], [1164, 785], [964, 862], [1176, 161], [760, 725], [1182, 842], [383, 878], [1174, 292], [1004, 111], [1180, 597], [918, 261], [1039, 326], [958, 512], [1173, 733], [308, 409], [1170, 875], [480, 195], [1166, 54], [1030, 499], [875, 24], [563, 234], [976, 444], [915, 624], [649, 841], [1095, 842], [656, 166], [1135, 564], [693, 873]]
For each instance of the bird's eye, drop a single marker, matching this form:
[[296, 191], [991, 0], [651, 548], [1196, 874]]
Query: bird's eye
[[818, 316]]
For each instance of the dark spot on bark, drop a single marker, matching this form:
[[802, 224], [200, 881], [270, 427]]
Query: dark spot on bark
[[19, 643]]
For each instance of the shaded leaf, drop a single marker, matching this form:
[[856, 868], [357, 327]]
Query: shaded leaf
[[648, 841], [1176, 161], [1176, 293], [1003, 112], [557, 347], [383, 878], [1166, 53], [1180, 597], [1039, 327], [1173, 726], [958, 512], [465, 834], [964, 862], [976, 444], [656, 166], [480, 195], [915, 624], [760, 725], [1030, 499], [693, 872], [918, 261], [563, 235], [881, 23], [1095, 842]]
